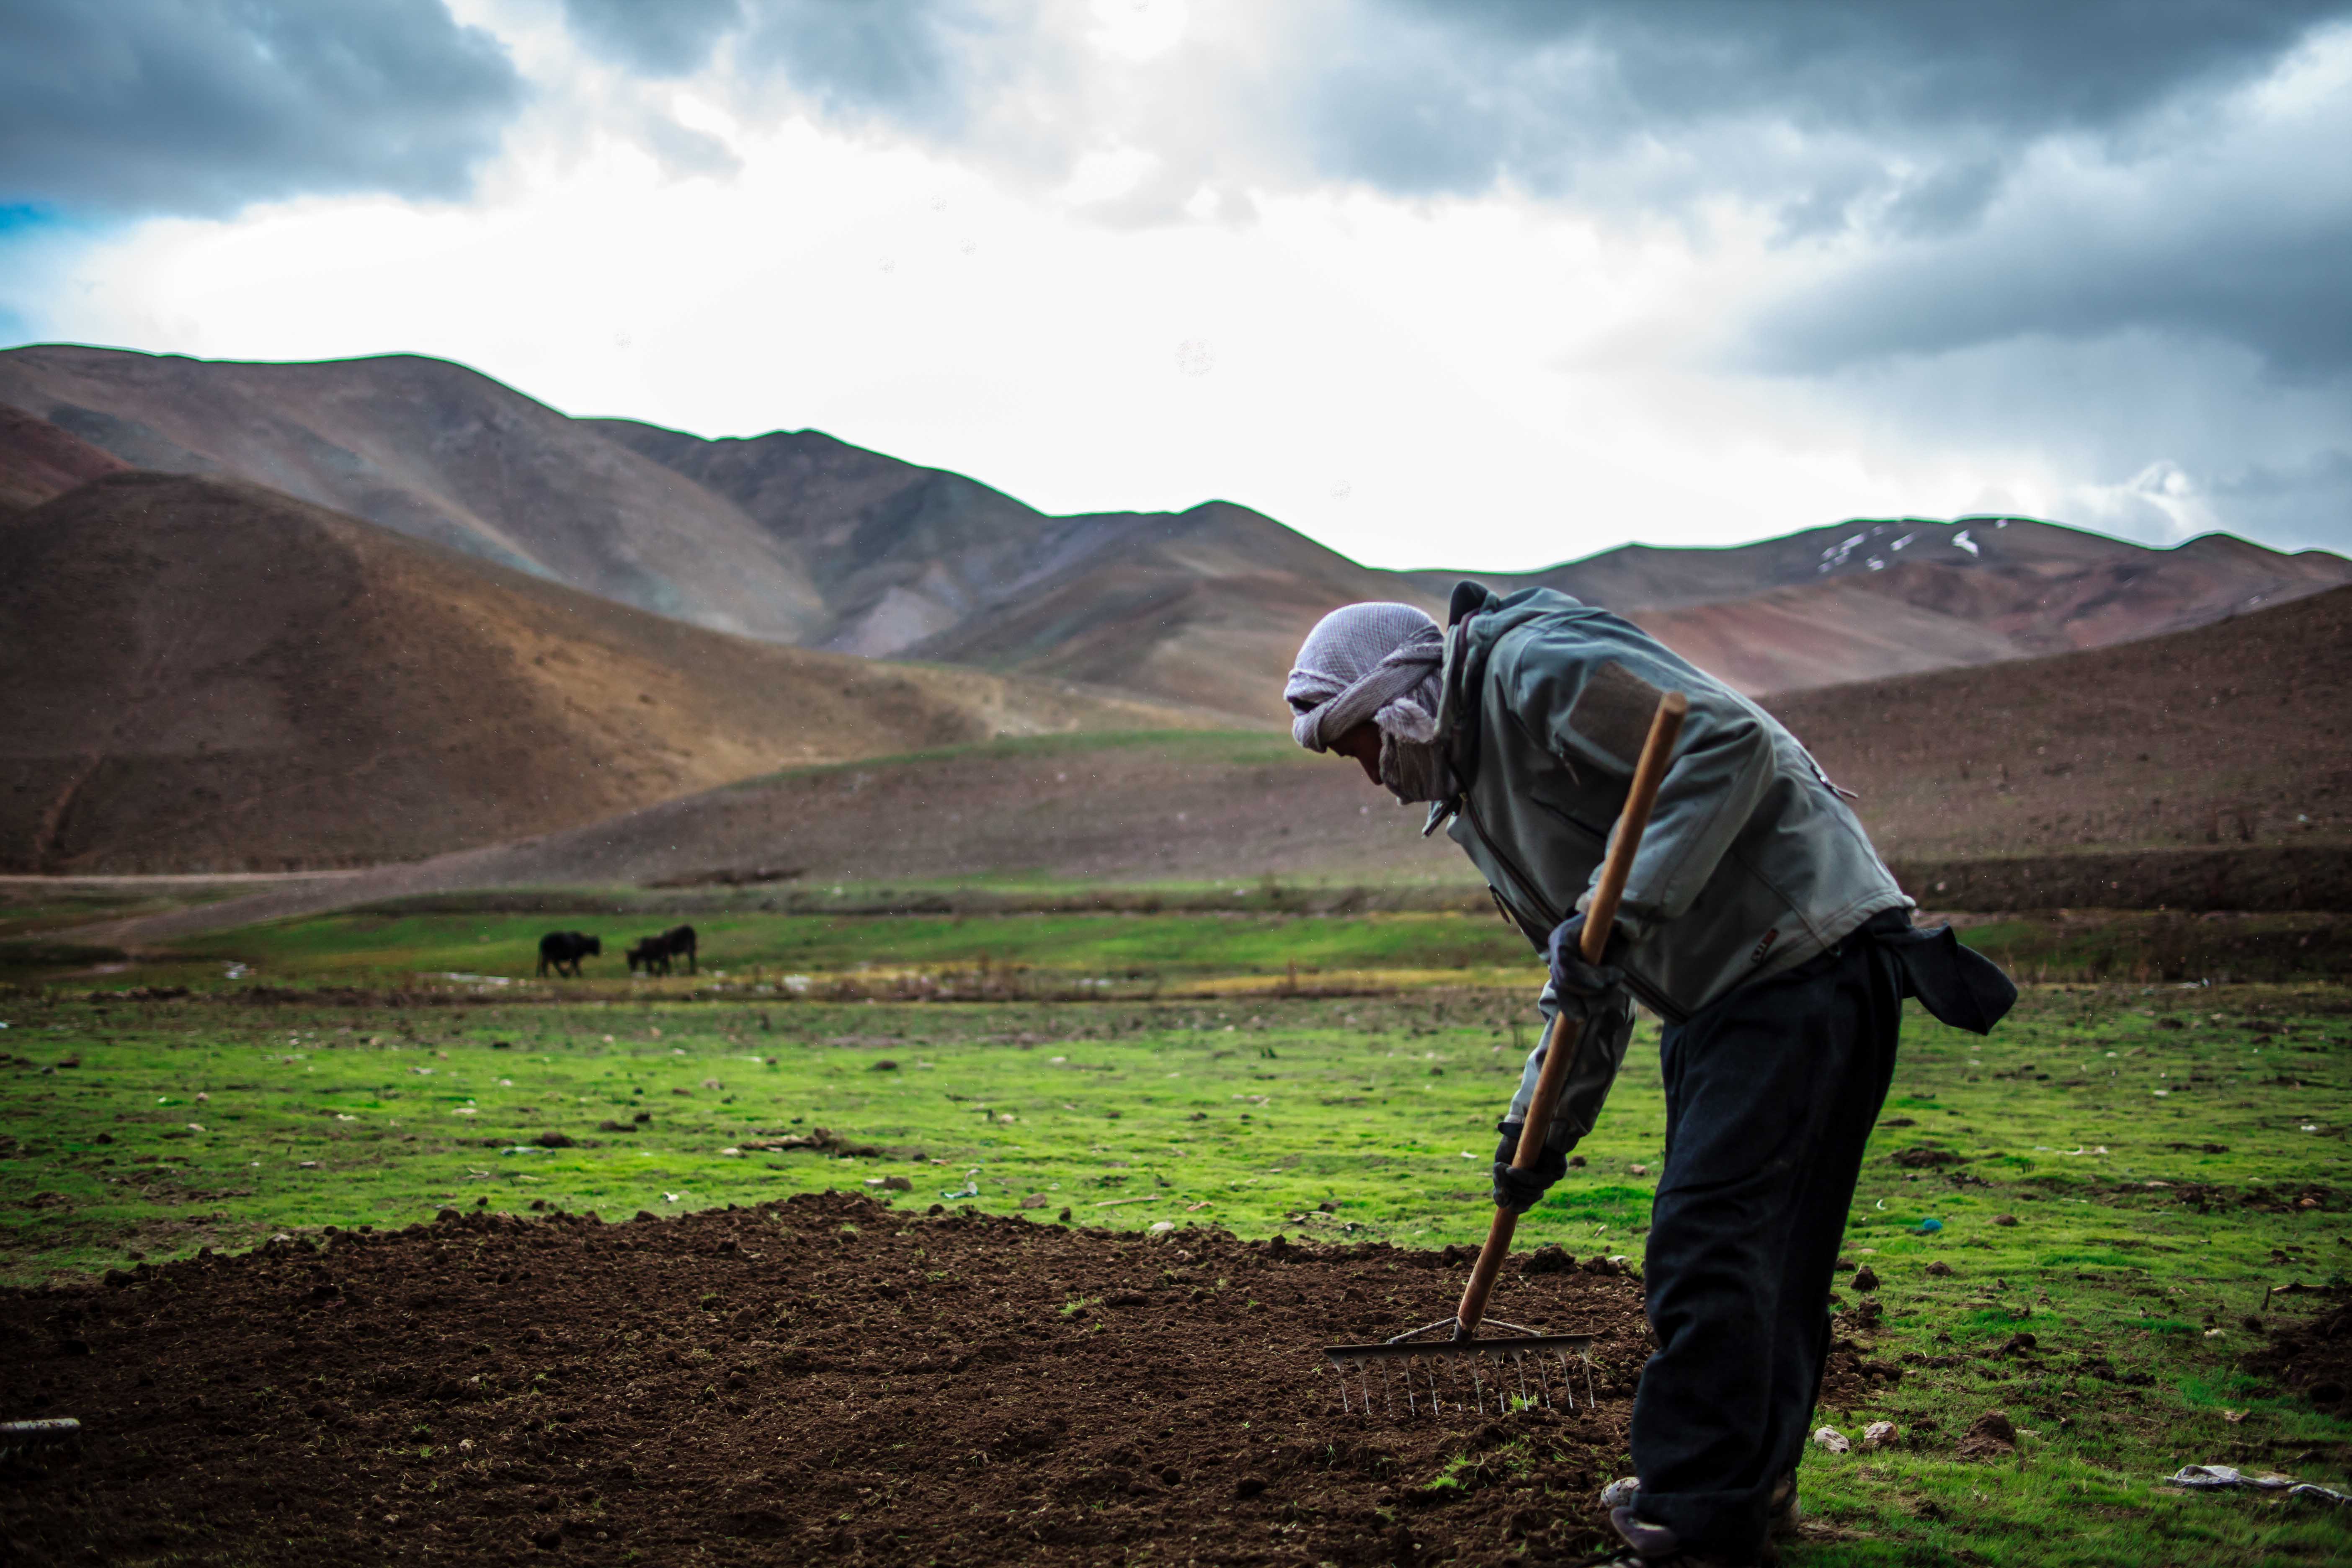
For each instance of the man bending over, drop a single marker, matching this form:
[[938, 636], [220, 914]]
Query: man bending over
[[1758, 923]]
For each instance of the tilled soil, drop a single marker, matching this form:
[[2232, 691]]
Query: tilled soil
[[824, 1378]]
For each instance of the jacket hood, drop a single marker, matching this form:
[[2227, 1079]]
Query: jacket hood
[[1476, 619]]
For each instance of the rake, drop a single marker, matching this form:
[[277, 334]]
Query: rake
[[1462, 1372]]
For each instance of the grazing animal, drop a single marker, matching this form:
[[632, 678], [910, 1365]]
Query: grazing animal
[[564, 950], [655, 953]]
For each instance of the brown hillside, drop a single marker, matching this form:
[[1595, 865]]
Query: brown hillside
[[1111, 808], [1789, 639], [38, 461], [439, 453], [2236, 732], [1108, 809], [1869, 599], [1207, 607], [923, 560], [2046, 586], [797, 537], [2251, 712], [900, 552], [229, 679]]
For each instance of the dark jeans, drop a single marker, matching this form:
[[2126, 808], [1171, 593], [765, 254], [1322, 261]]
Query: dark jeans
[[1771, 1094]]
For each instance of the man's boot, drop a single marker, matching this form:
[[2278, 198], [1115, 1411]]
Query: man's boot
[[1654, 1546], [1784, 1520], [1785, 1514]]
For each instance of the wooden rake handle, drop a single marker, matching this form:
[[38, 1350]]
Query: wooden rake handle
[[1666, 727]]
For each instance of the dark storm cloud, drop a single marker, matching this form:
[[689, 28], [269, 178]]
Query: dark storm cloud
[[671, 38], [2026, 66], [2239, 233], [2276, 289], [2303, 505], [1420, 96], [900, 61], [201, 106], [905, 61], [1904, 130], [1917, 129]]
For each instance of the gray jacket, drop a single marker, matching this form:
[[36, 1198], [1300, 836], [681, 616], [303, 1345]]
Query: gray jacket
[[1751, 864]]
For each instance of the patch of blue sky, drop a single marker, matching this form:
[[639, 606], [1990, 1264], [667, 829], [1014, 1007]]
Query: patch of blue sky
[[39, 245], [23, 225], [18, 217]]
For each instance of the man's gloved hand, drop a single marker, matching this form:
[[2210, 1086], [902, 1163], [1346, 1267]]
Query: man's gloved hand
[[1519, 1191], [1587, 990]]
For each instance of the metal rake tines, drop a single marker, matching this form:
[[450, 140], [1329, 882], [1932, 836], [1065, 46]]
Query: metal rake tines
[[1466, 1377], [28, 1436]]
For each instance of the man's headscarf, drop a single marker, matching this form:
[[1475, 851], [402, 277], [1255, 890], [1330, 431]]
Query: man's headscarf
[[1376, 663]]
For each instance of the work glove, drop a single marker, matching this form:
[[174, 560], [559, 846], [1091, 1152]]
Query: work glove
[[1519, 1191], [1586, 991], [1593, 994]]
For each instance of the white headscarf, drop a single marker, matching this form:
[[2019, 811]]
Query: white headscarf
[[1376, 662], [1373, 661]]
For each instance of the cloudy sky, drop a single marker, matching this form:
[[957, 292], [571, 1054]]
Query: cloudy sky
[[1472, 282]]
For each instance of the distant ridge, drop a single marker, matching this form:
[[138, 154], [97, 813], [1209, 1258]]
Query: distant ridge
[[1872, 597], [209, 674], [2205, 769], [1862, 549], [439, 453], [38, 461], [2236, 732], [1204, 607], [796, 537], [899, 551]]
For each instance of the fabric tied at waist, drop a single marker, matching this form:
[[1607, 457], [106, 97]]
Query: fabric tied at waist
[[1959, 986]]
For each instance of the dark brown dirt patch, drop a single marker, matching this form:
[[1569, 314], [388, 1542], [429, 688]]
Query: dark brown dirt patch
[[1990, 1436], [2314, 1359], [1852, 1378], [820, 1379]]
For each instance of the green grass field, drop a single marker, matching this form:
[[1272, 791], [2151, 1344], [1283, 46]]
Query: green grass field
[[2154, 1146], [1144, 941], [1129, 954]]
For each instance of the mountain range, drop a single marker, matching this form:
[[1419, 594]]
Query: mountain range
[[2205, 769], [208, 675], [794, 537], [321, 613], [1866, 599], [800, 538]]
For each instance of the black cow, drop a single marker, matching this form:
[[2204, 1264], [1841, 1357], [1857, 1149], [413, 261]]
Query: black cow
[[655, 953], [564, 950]]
